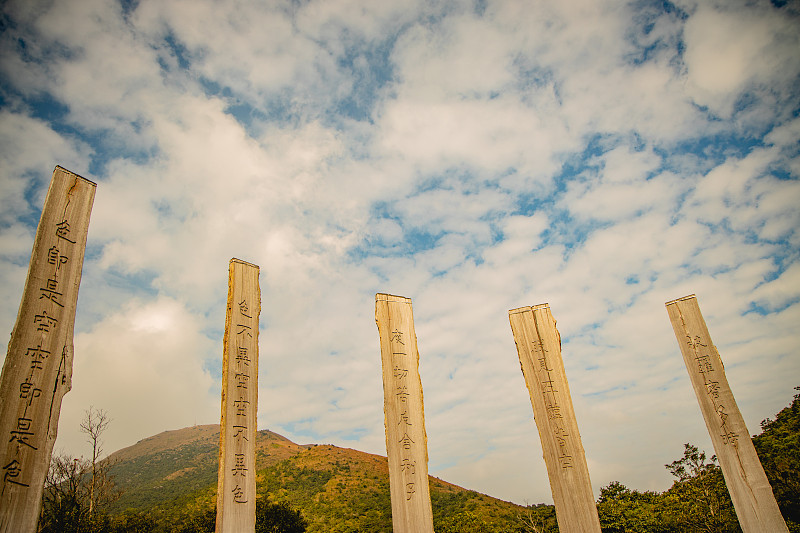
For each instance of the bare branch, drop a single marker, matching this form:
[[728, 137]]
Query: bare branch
[[94, 424]]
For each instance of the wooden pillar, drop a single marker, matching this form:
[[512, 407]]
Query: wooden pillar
[[236, 485], [38, 368], [539, 349], [406, 441], [747, 483]]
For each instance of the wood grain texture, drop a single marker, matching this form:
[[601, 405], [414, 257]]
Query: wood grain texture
[[236, 480], [539, 349], [406, 440], [747, 483], [38, 368]]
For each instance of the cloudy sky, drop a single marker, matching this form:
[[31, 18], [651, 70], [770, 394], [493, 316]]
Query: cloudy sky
[[604, 157]]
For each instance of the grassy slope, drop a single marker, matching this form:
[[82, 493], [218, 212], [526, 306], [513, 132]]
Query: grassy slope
[[174, 464], [337, 489]]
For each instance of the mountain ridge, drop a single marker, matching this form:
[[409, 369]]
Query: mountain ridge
[[336, 489]]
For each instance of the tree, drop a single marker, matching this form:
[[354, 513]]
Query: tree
[[464, 522], [538, 518], [778, 448], [133, 522], [95, 422], [270, 518], [64, 496], [701, 494], [203, 521], [278, 518], [76, 489], [623, 510]]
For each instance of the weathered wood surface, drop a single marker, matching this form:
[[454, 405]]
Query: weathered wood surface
[[236, 485], [38, 368], [539, 348], [406, 440], [747, 483]]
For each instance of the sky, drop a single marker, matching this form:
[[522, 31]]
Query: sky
[[476, 157]]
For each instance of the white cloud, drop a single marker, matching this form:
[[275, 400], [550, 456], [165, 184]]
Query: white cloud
[[269, 52], [624, 187], [729, 51], [779, 292], [29, 151], [155, 351], [484, 134], [463, 57], [512, 157]]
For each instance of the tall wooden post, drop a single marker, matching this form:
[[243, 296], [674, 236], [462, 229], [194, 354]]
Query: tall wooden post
[[236, 485], [406, 441], [38, 368], [747, 483], [539, 348]]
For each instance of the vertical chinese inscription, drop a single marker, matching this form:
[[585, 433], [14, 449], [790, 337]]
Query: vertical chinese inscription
[[38, 367], [749, 488], [406, 441], [236, 486], [539, 349]]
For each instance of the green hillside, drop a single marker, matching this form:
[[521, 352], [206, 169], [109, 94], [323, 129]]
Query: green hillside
[[169, 485], [168, 468], [173, 477]]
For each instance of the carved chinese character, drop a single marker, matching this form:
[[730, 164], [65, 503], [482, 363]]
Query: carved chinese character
[[397, 336], [704, 364], [400, 373], [239, 468], [62, 231], [44, 322], [23, 433], [723, 416], [559, 431], [50, 292], [562, 442], [553, 412], [241, 357], [697, 341], [243, 309], [548, 386], [54, 257], [244, 329], [402, 393], [406, 442], [240, 433], [28, 392], [404, 419], [712, 387], [409, 490], [730, 437], [13, 471], [241, 407], [241, 380], [408, 466], [238, 494], [37, 355]]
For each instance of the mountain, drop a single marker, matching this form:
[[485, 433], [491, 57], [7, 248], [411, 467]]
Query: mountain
[[170, 466], [174, 474]]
